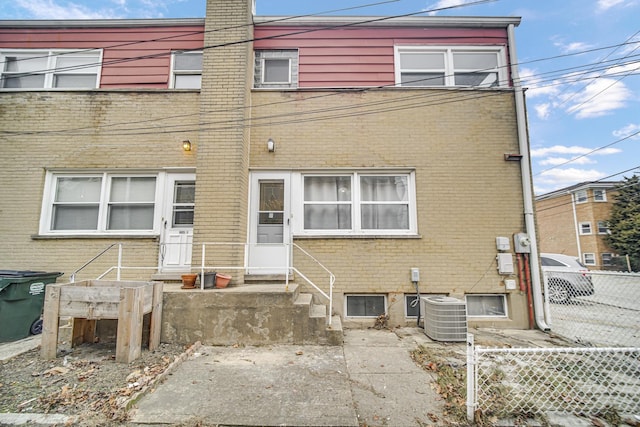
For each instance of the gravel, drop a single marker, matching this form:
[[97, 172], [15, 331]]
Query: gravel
[[85, 382]]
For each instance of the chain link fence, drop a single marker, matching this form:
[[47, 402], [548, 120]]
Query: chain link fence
[[595, 309], [532, 381], [598, 310]]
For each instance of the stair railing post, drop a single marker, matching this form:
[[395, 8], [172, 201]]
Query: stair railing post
[[118, 271]]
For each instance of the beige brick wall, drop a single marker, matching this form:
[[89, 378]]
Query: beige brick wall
[[467, 194], [557, 226], [84, 130], [222, 181]]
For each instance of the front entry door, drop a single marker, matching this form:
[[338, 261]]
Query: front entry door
[[269, 223], [177, 233]]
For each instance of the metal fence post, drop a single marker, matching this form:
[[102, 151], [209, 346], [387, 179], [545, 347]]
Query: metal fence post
[[471, 386]]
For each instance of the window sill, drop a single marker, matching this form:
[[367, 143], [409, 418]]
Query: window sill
[[357, 236], [93, 236]]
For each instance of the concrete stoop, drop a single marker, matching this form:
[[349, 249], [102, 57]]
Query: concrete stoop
[[255, 314]]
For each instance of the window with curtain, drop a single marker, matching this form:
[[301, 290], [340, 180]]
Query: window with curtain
[[358, 203], [100, 203]]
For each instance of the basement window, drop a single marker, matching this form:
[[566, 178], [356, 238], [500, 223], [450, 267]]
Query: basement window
[[365, 305], [486, 305]]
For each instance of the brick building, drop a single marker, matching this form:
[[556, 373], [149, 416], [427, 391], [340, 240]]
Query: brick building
[[376, 145], [573, 221]]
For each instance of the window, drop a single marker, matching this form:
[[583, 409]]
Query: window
[[99, 203], [358, 203], [187, 70], [45, 69], [581, 196], [450, 66], [585, 228], [599, 195], [589, 258], [411, 305], [365, 305], [550, 262], [486, 305], [276, 69], [184, 197], [603, 227], [607, 258]]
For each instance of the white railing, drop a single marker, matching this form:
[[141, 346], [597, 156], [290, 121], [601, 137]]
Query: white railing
[[289, 268]]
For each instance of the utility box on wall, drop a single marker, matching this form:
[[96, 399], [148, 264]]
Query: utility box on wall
[[505, 263]]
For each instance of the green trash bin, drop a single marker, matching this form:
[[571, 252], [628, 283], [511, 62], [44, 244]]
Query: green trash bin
[[21, 302]]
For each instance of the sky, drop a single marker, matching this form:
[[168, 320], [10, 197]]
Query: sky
[[579, 60]]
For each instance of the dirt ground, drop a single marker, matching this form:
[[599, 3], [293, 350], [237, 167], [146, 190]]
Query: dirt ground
[[85, 381]]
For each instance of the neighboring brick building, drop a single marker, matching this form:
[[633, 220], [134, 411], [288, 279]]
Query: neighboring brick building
[[573, 221], [378, 147]]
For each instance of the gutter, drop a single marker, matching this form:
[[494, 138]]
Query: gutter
[[540, 306]]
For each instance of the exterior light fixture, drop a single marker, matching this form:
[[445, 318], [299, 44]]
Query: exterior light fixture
[[186, 145], [271, 145], [512, 157]]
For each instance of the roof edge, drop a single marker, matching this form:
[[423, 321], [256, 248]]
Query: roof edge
[[385, 21], [577, 187], [99, 23]]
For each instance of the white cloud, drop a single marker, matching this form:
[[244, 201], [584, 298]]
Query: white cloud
[[574, 149], [555, 161], [558, 178], [49, 9], [441, 4], [607, 4], [572, 47], [531, 79], [543, 110], [630, 129], [598, 98]]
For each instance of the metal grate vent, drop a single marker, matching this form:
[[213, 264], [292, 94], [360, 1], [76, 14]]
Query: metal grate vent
[[445, 318]]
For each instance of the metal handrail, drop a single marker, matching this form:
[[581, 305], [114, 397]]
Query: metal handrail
[[72, 277], [202, 267]]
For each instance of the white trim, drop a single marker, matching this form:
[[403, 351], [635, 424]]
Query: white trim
[[584, 258], [346, 306], [505, 306], [173, 73], [297, 191], [584, 225], [264, 71], [103, 204], [604, 195], [579, 196], [50, 70], [449, 71]]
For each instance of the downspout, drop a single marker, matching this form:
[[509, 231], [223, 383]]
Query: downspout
[[575, 224], [527, 187]]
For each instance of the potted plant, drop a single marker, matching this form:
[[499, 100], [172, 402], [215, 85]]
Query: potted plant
[[189, 281]]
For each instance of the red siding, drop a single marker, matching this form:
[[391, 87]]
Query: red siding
[[348, 57], [137, 57]]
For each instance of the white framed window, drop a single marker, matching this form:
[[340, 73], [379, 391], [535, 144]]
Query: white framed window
[[411, 305], [50, 69], [470, 66], [487, 305], [603, 227], [599, 195], [367, 203], [186, 70], [585, 228], [581, 196], [276, 69], [607, 258], [365, 305], [100, 203], [589, 258]]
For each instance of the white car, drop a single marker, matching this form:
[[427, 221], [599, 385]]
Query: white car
[[567, 277]]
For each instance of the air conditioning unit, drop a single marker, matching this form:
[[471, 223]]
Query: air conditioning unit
[[445, 318]]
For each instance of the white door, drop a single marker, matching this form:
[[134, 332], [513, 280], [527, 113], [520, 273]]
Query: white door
[[269, 223], [177, 222]]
